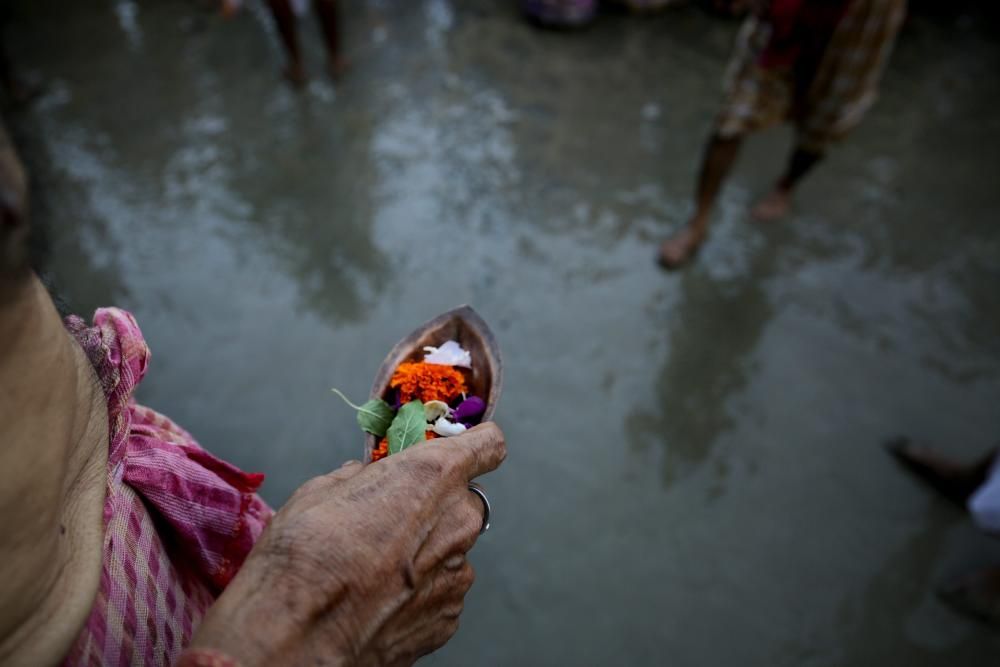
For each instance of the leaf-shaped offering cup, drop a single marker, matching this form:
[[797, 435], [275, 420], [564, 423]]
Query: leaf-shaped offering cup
[[463, 325]]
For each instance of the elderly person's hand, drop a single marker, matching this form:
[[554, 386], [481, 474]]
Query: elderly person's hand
[[365, 565]]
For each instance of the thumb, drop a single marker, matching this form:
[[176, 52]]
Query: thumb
[[482, 449]]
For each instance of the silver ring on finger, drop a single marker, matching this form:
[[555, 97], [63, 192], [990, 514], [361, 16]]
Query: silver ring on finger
[[481, 492]]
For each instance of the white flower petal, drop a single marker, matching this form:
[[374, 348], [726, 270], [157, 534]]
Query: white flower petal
[[449, 354], [445, 428]]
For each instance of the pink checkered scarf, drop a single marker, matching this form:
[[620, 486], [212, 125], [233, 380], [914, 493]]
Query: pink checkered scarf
[[178, 522]]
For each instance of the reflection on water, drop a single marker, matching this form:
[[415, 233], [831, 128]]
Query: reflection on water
[[327, 248], [694, 469], [713, 334]]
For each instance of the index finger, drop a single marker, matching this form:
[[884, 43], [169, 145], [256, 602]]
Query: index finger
[[480, 450]]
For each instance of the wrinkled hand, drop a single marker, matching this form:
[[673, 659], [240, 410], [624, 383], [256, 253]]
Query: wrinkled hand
[[365, 565]]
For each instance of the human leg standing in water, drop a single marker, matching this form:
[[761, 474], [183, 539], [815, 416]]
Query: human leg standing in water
[[285, 13], [329, 23], [285, 22], [720, 153], [813, 62], [976, 488], [777, 202]]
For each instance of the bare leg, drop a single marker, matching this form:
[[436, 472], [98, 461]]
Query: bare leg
[[776, 203], [284, 19], [329, 22], [956, 481], [720, 153]]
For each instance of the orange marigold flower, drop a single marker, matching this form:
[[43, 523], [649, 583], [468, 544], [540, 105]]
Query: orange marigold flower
[[427, 382], [381, 450]]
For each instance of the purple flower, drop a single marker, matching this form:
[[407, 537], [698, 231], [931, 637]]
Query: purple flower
[[393, 400], [469, 411]]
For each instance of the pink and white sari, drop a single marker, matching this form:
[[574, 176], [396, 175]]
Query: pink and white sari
[[178, 522]]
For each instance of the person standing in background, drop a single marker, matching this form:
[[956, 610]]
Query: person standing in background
[[816, 63]]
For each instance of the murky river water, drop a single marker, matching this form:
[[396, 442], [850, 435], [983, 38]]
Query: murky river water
[[695, 472]]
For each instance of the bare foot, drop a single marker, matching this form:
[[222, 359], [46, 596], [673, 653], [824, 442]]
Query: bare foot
[[296, 75], [681, 247], [976, 594], [774, 206], [337, 67], [955, 481]]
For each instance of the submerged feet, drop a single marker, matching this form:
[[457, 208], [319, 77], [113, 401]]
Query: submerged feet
[[774, 206], [296, 74], [682, 246], [336, 67]]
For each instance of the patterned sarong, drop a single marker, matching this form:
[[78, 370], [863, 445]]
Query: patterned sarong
[[829, 102]]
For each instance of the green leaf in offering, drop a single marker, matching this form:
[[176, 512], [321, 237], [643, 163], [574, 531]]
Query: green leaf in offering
[[408, 428], [375, 416]]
